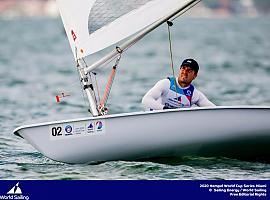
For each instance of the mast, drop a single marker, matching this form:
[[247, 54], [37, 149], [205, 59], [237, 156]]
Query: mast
[[139, 36], [88, 87]]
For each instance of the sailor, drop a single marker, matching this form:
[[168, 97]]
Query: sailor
[[177, 92]]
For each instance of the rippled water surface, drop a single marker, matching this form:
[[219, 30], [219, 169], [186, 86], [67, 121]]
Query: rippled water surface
[[36, 64]]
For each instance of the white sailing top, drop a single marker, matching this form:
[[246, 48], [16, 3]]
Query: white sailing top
[[157, 96]]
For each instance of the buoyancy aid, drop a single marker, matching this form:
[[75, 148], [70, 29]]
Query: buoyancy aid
[[178, 97]]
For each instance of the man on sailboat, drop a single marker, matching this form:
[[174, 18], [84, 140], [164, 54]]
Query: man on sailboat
[[177, 93]]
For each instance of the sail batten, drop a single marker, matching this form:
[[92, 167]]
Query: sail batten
[[93, 25]]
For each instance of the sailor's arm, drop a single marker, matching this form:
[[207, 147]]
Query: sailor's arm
[[202, 100], [151, 99]]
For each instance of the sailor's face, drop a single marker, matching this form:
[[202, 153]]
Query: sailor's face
[[186, 75]]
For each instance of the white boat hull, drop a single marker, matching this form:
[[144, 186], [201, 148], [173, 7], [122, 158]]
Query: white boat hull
[[237, 132]]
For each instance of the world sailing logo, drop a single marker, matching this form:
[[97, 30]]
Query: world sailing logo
[[15, 190], [15, 193]]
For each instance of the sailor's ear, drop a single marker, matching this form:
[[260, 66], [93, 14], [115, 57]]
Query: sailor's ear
[[195, 75]]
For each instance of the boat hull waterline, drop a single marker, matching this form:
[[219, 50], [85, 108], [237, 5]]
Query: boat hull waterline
[[235, 132]]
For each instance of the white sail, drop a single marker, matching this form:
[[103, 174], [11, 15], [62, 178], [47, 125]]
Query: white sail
[[93, 25]]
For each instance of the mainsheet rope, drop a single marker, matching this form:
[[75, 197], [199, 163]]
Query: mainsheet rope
[[169, 23]]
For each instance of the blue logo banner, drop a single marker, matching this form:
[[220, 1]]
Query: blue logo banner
[[137, 189]]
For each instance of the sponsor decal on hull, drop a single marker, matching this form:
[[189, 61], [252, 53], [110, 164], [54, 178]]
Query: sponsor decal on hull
[[77, 129]]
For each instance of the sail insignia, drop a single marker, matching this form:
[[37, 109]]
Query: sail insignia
[[73, 35]]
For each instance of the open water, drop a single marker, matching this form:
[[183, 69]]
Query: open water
[[36, 64]]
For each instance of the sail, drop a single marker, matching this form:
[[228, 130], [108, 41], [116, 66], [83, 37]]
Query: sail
[[93, 25]]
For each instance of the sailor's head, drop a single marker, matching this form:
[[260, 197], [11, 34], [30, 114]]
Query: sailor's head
[[188, 72], [191, 64]]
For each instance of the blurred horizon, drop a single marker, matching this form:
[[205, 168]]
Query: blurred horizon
[[206, 8]]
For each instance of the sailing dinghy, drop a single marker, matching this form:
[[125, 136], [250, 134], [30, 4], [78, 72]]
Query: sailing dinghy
[[93, 25]]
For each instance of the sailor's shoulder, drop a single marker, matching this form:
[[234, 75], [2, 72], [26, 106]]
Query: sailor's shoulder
[[164, 82], [196, 93], [163, 85], [195, 90]]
